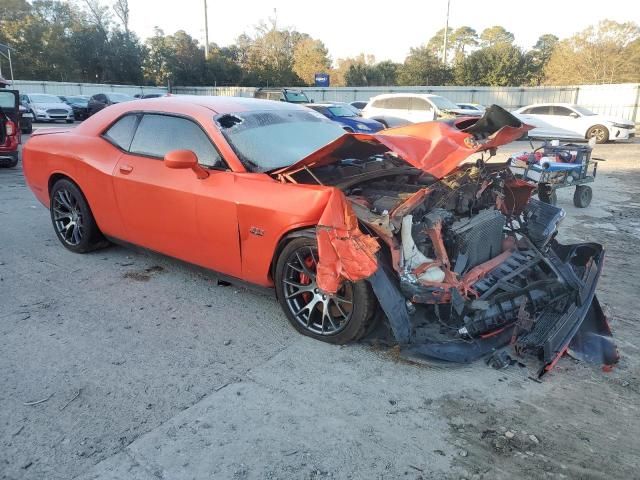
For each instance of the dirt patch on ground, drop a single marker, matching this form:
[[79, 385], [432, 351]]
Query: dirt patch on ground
[[143, 275]]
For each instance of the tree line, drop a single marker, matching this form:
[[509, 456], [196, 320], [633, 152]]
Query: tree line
[[91, 41]]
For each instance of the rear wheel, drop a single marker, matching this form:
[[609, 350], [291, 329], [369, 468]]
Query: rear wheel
[[72, 219], [582, 196], [599, 132], [339, 318]]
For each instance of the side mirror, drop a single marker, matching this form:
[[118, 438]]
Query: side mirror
[[574, 115], [181, 159]]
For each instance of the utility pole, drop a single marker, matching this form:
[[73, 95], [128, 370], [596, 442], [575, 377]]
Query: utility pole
[[446, 36], [206, 32], [8, 57]]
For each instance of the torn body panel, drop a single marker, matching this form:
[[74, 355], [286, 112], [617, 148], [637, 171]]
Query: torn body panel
[[345, 253]]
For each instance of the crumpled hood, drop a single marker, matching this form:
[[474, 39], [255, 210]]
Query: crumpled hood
[[436, 147]]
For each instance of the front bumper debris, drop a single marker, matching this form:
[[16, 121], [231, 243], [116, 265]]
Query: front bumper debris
[[568, 316]]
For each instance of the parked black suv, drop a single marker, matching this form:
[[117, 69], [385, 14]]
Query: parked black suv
[[101, 100]]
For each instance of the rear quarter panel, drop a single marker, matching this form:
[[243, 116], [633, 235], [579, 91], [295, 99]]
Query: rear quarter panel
[[87, 160]]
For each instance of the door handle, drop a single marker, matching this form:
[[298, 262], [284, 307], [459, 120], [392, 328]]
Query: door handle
[[126, 169]]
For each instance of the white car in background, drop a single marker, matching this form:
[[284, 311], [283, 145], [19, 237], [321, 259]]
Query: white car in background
[[569, 121], [395, 109]]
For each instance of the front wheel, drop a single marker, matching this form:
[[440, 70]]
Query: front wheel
[[599, 132], [582, 196], [339, 318], [72, 219]]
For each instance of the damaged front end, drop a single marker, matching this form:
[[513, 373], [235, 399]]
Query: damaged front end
[[469, 261]]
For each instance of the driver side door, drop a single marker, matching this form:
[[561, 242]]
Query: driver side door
[[171, 211]]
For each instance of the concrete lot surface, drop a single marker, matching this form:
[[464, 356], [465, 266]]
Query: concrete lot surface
[[151, 370]]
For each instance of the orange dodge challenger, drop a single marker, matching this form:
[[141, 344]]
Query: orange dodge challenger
[[458, 257]]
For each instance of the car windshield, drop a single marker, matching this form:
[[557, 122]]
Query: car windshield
[[119, 97], [340, 111], [267, 140], [43, 98], [77, 99], [296, 97], [443, 103], [583, 111]]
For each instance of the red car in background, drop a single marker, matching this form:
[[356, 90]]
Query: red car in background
[[9, 128]]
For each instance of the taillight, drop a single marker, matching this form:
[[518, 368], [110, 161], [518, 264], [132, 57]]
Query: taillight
[[10, 128]]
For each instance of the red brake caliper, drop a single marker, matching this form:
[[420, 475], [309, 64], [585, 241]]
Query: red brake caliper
[[305, 279]]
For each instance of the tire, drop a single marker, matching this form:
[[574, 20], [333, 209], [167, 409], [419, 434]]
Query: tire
[[600, 132], [70, 121], [385, 124], [547, 195], [69, 206], [11, 162], [305, 306], [348, 129], [582, 196], [28, 128]]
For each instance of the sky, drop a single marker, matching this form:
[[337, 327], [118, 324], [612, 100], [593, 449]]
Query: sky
[[385, 29]]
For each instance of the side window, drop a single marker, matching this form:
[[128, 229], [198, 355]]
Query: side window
[[420, 104], [158, 134], [400, 103], [562, 111], [120, 133], [540, 110]]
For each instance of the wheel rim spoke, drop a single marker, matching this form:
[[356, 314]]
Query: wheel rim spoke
[[67, 217], [313, 309]]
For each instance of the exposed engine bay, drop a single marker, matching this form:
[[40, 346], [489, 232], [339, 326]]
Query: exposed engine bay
[[471, 257]]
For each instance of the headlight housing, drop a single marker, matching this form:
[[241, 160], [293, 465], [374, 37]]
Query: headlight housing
[[362, 126]]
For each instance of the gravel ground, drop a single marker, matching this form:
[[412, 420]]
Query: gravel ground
[[150, 370]]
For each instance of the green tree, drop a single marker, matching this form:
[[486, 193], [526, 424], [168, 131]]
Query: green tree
[[423, 67], [495, 35], [176, 58], [40, 37], [539, 56], [436, 43], [499, 65], [603, 53], [462, 40]]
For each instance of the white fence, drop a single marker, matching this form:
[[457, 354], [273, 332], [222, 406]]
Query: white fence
[[619, 100], [71, 88]]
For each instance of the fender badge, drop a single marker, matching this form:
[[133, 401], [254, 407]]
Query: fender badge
[[258, 232]]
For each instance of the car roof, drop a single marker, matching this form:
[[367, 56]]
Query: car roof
[[552, 104], [406, 94]]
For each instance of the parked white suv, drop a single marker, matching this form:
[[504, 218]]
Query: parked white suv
[[569, 121], [395, 109]]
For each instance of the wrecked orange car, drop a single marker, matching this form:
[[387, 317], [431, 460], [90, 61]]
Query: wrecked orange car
[[457, 255]]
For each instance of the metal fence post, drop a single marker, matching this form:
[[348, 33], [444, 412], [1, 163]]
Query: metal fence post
[[635, 117]]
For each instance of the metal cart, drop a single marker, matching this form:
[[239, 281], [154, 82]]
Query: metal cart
[[576, 170]]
